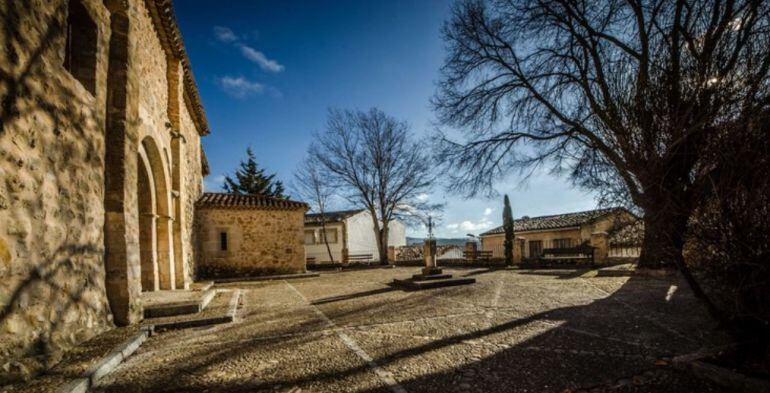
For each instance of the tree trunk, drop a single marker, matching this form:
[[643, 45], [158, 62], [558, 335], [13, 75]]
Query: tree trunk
[[377, 234], [663, 238], [383, 246], [326, 241]]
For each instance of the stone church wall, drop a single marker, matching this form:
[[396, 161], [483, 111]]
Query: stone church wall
[[54, 276], [259, 242]]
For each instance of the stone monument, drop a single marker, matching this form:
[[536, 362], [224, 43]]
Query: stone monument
[[431, 275]]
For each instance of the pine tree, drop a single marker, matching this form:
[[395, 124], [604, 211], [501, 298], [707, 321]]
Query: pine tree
[[251, 179], [508, 227]]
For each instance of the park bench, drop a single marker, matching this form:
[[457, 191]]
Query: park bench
[[310, 260], [568, 254], [364, 259], [478, 255]]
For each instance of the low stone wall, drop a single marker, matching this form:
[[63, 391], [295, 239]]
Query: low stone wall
[[259, 242]]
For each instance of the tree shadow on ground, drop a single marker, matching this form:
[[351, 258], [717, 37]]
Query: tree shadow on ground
[[600, 345], [352, 296]]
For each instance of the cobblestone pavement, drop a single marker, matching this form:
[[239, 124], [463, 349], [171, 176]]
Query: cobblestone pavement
[[512, 331]]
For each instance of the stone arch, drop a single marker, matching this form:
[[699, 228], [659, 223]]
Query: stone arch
[[163, 210], [147, 218]]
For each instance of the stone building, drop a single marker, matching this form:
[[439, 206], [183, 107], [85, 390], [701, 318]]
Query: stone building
[[100, 166], [557, 236], [248, 235]]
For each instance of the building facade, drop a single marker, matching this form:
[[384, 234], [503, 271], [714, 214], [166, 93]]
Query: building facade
[[249, 235], [100, 166], [349, 233], [535, 237]]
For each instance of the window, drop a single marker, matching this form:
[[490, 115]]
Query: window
[[222, 241], [535, 248], [80, 48], [310, 237], [331, 236], [562, 243]]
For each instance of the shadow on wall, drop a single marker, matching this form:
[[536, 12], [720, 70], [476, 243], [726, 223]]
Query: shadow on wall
[[591, 345], [54, 306], [51, 259]]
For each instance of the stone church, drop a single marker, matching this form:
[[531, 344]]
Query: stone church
[[100, 167]]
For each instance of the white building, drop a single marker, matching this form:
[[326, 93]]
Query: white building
[[347, 229]]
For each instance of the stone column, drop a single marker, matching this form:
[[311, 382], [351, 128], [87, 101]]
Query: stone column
[[470, 251], [165, 252], [429, 255], [600, 243]]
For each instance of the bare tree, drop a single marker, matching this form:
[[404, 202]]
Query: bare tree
[[374, 163], [314, 188], [625, 96]]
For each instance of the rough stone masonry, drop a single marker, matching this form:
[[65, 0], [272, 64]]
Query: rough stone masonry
[[100, 166]]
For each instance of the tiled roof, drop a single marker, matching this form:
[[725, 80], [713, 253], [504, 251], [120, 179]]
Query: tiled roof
[[247, 201], [335, 216], [162, 13], [553, 222]]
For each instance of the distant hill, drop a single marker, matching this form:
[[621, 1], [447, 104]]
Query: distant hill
[[439, 241]]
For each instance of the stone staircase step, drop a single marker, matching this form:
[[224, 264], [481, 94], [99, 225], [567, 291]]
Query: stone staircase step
[[202, 286], [222, 309], [193, 303]]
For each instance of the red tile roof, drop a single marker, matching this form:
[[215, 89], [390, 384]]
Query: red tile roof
[[553, 222], [247, 201]]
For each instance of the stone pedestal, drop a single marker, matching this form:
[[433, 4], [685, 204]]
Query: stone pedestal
[[431, 276], [471, 248]]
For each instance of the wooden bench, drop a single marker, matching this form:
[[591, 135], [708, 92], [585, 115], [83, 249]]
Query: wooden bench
[[478, 255], [310, 260], [568, 254], [364, 259]]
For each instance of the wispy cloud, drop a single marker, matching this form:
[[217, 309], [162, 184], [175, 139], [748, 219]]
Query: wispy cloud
[[240, 87], [470, 225], [423, 197], [228, 36], [211, 184], [225, 34], [260, 59]]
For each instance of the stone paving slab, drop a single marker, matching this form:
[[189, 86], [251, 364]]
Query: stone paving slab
[[554, 330]]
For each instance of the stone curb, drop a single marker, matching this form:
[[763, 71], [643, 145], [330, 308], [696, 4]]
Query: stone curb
[[227, 318], [266, 278], [107, 364], [694, 364]]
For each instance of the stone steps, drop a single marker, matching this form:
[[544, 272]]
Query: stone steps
[[193, 303], [221, 309]]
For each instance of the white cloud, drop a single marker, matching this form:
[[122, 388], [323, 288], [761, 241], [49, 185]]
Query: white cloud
[[260, 59], [225, 34], [240, 87], [470, 225], [213, 184], [422, 197]]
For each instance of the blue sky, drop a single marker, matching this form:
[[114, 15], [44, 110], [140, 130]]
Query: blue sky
[[269, 70]]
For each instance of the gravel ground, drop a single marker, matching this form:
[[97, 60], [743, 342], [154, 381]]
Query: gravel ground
[[512, 331]]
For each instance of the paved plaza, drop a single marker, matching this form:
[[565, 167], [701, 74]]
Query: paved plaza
[[512, 331]]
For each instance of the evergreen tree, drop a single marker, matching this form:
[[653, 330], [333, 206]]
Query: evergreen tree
[[251, 179], [508, 227]]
